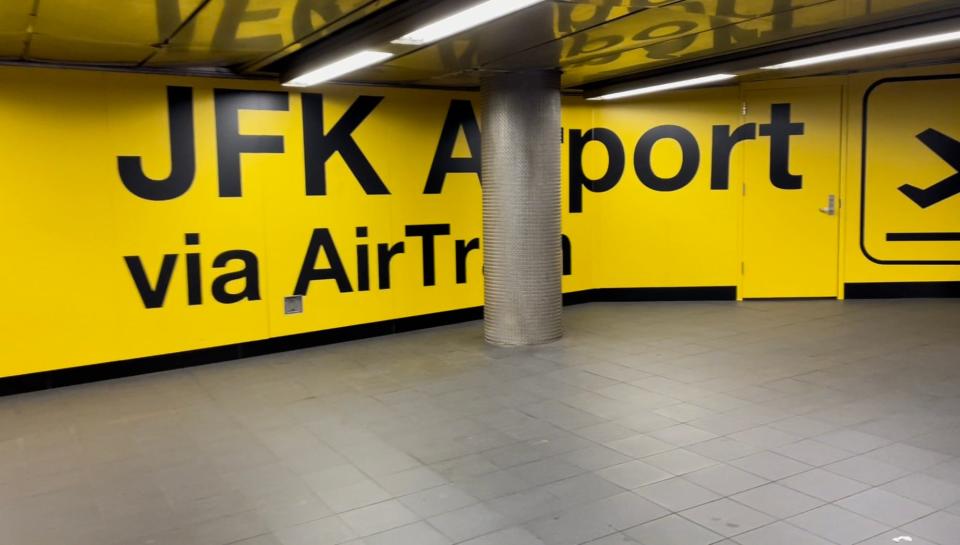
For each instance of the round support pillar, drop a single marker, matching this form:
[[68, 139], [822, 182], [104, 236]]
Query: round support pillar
[[522, 256]]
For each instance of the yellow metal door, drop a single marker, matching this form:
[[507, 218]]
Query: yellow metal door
[[792, 193]]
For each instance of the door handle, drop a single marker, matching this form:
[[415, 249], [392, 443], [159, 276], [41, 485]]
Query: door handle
[[831, 208]]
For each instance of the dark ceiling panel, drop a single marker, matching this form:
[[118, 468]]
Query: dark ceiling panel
[[14, 20], [99, 32]]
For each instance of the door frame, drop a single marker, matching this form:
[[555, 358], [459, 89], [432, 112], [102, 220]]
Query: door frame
[[842, 84]]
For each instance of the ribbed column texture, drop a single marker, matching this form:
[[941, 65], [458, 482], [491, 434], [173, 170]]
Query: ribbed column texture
[[522, 258]]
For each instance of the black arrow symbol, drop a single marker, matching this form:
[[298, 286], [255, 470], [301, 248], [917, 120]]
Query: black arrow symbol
[[949, 150]]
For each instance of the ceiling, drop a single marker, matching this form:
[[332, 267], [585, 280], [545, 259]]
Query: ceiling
[[178, 34], [594, 42]]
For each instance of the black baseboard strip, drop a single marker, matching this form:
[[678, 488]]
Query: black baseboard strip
[[901, 290], [611, 295], [619, 295], [165, 362], [577, 297], [179, 360]]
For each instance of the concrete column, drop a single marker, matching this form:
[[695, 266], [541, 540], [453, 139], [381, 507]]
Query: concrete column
[[521, 208]]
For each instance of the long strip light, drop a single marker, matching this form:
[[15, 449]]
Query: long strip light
[[871, 50], [338, 68], [477, 15], [666, 86]]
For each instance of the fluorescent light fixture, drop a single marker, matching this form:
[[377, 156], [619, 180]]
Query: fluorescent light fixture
[[336, 69], [871, 50], [479, 14], [666, 86]]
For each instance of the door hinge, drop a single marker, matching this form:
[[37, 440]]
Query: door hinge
[[744, 190], [743, 268], [743, 108]]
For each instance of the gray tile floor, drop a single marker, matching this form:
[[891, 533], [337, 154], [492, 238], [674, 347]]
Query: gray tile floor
[[764, 423]]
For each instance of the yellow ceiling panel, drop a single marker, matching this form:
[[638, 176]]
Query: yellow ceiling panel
[[452, 61], [55, 49], [227, 32], [94, 31], [14, 20], [127, 22], [665, 30], [760, 31], [11, 45], [710, 40], [878, 7], [14, 16], [688, 32], [591, 40]]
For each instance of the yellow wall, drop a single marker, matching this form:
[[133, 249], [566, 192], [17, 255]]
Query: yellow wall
[[67, 221], [641, 237]]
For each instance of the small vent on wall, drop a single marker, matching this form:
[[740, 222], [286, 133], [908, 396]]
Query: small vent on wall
[[293, 304]]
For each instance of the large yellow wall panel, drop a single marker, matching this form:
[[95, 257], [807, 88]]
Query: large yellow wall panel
[[662, 223], [144, 215], [171, 255]]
